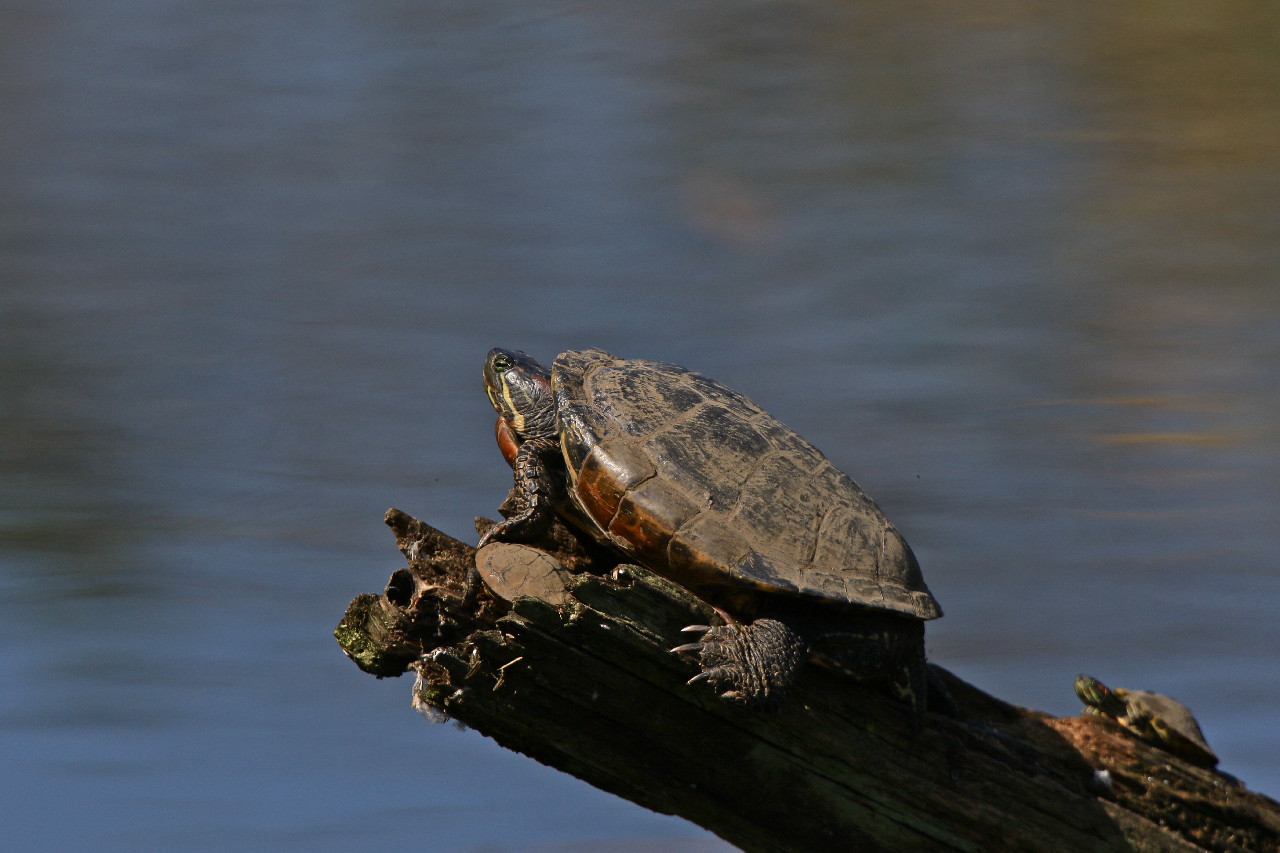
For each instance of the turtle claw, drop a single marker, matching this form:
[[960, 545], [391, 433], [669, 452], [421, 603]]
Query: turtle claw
[[496, 533], [714, 675], [690, 628], [750, 665]]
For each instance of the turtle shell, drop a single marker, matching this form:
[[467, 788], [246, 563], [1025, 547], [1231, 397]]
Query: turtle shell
[[1154, 715], [700, 484]]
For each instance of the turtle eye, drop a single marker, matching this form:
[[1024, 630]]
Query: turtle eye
[[501, 363]]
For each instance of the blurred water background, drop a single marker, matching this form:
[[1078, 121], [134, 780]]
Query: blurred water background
[[1014, 266]]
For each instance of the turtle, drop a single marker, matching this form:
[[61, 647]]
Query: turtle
[[1153, 717], [702, 486]]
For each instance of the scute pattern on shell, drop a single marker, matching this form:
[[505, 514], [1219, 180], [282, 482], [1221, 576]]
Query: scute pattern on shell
[[1170, 712], [743, 493]]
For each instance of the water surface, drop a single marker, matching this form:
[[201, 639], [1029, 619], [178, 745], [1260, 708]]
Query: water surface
[[1014, 267]]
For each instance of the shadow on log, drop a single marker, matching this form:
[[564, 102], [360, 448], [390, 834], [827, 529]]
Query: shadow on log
[[568, 663]]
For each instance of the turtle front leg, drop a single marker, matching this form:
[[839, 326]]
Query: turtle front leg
[[533, 491], [752, 665]]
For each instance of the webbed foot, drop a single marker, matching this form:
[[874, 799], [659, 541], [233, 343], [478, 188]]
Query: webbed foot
[[530, 497], [527, 526], [751, 665]]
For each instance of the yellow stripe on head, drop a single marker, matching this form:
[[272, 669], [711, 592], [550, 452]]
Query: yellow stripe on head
[[517, 419]]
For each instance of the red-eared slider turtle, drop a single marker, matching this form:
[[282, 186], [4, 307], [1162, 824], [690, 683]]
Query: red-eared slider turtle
[[1154, 717], [703, 486]]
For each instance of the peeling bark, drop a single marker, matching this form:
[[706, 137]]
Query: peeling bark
[[572, 668]]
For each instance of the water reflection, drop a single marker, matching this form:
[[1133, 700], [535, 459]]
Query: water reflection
[[1014, 268]]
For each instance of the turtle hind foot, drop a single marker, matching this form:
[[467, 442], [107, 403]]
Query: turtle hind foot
[[750, 665]]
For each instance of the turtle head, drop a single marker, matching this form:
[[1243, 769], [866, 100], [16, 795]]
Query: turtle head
[[520, 390], [1099, 696]]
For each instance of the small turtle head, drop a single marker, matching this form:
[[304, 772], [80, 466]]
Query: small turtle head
[[1098, 697], [520, 390]]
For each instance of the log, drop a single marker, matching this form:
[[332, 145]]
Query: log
[[562, 654]]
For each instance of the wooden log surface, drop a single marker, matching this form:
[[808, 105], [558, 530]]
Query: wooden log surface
[[569, 663]]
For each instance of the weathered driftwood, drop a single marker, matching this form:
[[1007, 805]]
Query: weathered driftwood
[[580, 678]]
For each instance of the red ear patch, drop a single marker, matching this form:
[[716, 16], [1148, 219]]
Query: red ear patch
[[506, 440]]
